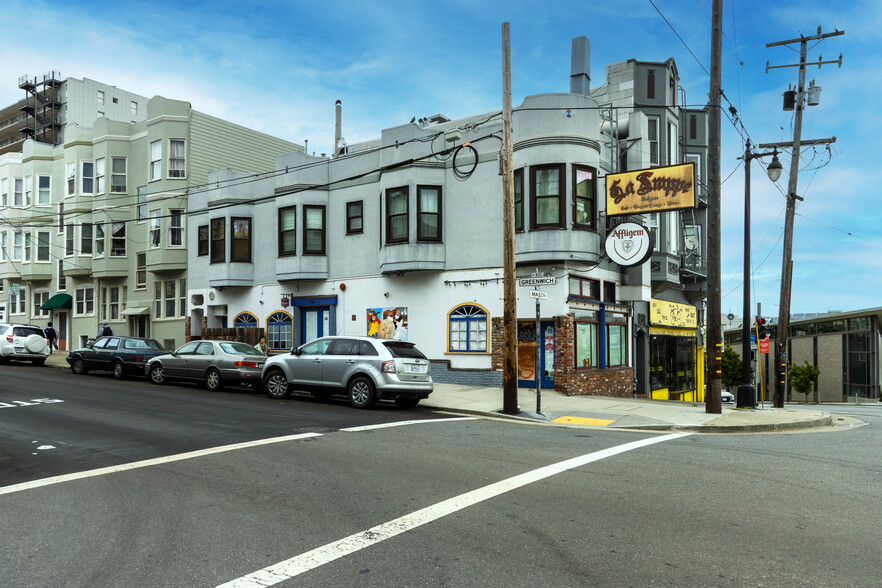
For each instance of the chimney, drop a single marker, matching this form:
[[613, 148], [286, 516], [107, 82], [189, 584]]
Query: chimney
[[580, 68], [338, 127]]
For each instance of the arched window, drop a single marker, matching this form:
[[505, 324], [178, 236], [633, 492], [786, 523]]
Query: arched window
[[279, 331], [245, 320], [467, 329]]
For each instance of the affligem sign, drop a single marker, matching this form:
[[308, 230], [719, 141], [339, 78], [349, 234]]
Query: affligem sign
[[629, 244]]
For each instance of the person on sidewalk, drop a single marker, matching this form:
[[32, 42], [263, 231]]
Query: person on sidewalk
[[51, 337], [262, 346], [105, 331]]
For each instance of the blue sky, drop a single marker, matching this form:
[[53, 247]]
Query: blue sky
[[279, 67]]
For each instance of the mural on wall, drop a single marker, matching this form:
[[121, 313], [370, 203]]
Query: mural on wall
[[387, 323]]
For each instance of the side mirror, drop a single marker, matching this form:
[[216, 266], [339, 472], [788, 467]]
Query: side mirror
[[295, 351]]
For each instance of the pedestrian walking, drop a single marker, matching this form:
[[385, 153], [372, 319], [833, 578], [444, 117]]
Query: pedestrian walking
[[105, 331], [51, 337], [262, 346]]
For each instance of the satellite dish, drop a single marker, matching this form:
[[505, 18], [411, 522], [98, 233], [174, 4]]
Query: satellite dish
[[691, 243]]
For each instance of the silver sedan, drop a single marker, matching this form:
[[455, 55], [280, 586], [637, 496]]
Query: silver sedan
[[215, 363]]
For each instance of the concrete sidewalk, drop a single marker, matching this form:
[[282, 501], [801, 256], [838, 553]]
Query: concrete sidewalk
[[627, 413], [604, 411]]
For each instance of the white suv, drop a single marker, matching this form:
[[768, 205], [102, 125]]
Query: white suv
[[23, 343]]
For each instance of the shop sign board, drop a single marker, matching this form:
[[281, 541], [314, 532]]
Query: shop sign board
[[672, 314], [629, 244], [657, 189]]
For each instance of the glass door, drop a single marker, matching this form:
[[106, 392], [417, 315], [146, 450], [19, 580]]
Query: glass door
[[316, 322]]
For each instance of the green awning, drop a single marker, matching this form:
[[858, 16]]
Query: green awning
[[57, 301]]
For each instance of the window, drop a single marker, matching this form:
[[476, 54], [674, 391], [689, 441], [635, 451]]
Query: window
[[43, 246], [652, 137], [218, 241], [616, 338], [202, 248], [240, 239], [693, 127], [141, 271], [546, 204], [287, 231], [397, 227], [17, 246], [155, 228], [245, 320], [99, 175], [68, 240], [176, 159], [88, 177], [652, 223], [170, 299], [519, 199], [118, 175], [586, 327], [17, 191], [40, 298], [62, 279], [71, 178], [44, 190], [100, 98], [114, 303], [428, 213], [157, 296], [609, 292], [4, 245], [27, 247], [115, 100], [673, 152], [650, 84], [313, 230], [118, 240], [60, 217], [583, 197], [354, 217], [142, 203], [467, 329], [280, 331], [182, 296], [18, 300], [133, 108], [86, 239], [672, 229], [156, 160], [85, 301], [99, 241], [584, 288], [4, 192], [28, 190], [176, 228]]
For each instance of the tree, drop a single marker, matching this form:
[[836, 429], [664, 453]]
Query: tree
[[803, 378], [732, 368]]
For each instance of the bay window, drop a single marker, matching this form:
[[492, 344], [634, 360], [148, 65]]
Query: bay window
[[397, 223], [546, 190]]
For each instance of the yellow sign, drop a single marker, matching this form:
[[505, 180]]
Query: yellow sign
[[651, 190], [672, 314]]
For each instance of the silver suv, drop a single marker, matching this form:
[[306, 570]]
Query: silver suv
[[362, 368], [23, 343]]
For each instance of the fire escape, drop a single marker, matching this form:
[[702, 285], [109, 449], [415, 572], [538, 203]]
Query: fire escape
[[43, 107]]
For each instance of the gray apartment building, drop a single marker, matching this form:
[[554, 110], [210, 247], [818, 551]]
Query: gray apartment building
[[94, 228], [402, 237]]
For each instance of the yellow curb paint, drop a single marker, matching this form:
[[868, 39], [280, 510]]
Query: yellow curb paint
[[582, 421]]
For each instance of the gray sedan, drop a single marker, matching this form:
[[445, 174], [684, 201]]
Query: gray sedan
[[215, 363]]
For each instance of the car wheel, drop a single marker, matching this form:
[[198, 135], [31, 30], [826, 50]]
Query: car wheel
[[78, 366], [119, 372], [39, 361], [407, 402], [157, 374], [276, 385], [361, 392], [213, 380]]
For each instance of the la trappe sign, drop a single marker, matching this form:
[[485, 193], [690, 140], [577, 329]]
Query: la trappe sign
[[651, 190]]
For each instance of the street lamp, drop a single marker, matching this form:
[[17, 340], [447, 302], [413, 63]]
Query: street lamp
[[746, 394]]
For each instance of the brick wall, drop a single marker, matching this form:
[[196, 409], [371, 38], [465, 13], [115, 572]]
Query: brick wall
[[442, 373]]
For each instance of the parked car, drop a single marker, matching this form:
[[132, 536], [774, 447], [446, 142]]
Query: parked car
[[727, 396], [121, 355], [363, 369], [23, 343], [216, 363]]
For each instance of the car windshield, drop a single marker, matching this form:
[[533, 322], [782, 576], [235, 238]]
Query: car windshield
[[142, 344], [402, 349], [241, 348]]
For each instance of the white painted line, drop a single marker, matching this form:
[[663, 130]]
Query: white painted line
[[150, 462], [320, 556], [402, 423]]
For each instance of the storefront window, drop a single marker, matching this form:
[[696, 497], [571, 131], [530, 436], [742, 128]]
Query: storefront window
[[672, 363], [616, 339], [587, 344]]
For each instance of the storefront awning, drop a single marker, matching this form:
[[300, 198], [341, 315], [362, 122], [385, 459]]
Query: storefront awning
[[136, 310], [57, 302]]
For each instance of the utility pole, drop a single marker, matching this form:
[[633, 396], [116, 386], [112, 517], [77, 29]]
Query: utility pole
[[509, 311], [783, 326], [713, 402]]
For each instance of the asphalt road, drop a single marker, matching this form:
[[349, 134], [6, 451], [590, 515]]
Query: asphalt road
[[439, 501]]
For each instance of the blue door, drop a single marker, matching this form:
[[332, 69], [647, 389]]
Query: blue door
[[315, 322]]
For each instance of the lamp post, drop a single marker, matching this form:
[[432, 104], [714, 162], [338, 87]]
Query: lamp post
[[746, 394]]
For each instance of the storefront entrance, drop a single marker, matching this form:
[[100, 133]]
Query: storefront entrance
[[527, 354], [315, 322]]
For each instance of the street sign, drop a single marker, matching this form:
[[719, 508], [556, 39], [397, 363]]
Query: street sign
[[764, 345], [285, 302], [538, 294], [549, 281]]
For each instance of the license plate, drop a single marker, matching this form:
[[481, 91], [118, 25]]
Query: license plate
[[416, 368], [19, 349]]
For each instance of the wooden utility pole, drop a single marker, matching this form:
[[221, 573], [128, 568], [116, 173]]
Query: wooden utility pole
[[783, 327], [713, 402], [509, 312]]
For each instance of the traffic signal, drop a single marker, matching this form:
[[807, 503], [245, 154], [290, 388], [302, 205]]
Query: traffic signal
[[761, 328]]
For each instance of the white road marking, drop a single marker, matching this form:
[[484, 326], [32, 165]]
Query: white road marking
[[149, 462], [304, 562], [402, 423]]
